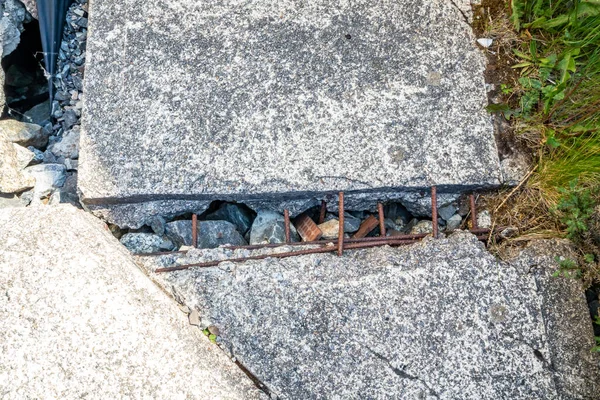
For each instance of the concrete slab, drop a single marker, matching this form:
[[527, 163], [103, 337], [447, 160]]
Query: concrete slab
[[442, 319], [79, 319], [268, 99]]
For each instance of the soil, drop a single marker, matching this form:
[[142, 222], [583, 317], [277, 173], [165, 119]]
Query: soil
[[491, 19]]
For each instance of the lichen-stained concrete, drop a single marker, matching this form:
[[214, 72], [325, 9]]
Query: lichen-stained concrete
[[442, 319], [78, 319], [200, 100]]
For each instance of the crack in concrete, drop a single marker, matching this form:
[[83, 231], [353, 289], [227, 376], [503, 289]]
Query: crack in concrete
[[461, 12], [402, 374]]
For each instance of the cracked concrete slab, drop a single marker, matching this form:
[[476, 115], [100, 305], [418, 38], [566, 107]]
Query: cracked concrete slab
[[266, 100], [79, 319], [442, 319]]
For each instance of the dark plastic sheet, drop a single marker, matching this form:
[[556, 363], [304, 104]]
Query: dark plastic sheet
[[51, 16]]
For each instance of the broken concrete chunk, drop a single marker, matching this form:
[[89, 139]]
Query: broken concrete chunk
[[321, 80], [421, 227], [80, 312], [361, 325], [146, 243], [484, 219]]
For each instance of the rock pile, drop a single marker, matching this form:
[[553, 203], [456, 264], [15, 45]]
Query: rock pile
[[40, 148], [236, 224]]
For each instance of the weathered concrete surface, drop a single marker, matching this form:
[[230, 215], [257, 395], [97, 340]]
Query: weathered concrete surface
[[261, 100], [439, 320], [79, 319]]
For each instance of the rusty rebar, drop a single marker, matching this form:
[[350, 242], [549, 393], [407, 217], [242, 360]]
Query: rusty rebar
[[412, 238], [321, 249], [341, 224], [194, 230], [381, 219], [286, 222], [322, 212], [434, 212], [473, 211], [481, 234]]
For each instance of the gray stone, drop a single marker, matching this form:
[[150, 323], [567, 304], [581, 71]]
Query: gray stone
[[157, 224], [12, 16], [78, 319], [31, 7], [12, 178], [453, 222], [70, 118], [48, 177], [269, 227], [38, 156], [68, 147], [287, 101], [351, 223], [211, 234], [439, 319], [24, 133], [420, 227], [448, 211], [484, 219], [16, 76], [237, 214], [139, 242]]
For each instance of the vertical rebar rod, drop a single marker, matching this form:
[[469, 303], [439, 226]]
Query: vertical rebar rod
[[473, 211], [341, 225], [381, 219], [323, 212], [286, 221], [194, 230], [434, 216]]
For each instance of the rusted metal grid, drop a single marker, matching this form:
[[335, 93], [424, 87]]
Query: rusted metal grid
[[307, 227]]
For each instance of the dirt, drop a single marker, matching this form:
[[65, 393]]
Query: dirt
[[491, 19]]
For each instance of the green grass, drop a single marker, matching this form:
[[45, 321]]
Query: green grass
[[559, 87], [555, 109]]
